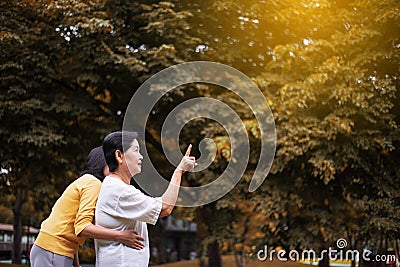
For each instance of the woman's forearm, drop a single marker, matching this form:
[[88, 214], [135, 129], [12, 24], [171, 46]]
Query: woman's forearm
[[130, 238], [171, 194], [94, 231]]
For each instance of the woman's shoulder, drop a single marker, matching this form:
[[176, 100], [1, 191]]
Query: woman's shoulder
[[88, 179], [119, 187], [114, 181]]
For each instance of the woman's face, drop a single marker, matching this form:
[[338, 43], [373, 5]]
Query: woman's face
[[133, 158]]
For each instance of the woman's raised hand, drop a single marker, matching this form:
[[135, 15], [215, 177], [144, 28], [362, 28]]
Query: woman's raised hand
[[188, 162]]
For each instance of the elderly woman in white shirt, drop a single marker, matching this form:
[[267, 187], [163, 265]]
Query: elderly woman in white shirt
[[121, 206]]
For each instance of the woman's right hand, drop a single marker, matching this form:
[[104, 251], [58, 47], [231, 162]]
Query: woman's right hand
[[131, 238], [188, 162]]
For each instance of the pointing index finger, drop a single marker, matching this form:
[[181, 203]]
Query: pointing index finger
[[188, 150]]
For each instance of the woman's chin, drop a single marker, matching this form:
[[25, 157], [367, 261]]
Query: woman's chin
[[134, 171]]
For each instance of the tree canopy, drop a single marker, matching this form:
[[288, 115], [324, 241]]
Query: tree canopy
[[329, 70]]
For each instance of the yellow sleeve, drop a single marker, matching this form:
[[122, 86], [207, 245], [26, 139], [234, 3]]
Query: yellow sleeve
[[88, 198]]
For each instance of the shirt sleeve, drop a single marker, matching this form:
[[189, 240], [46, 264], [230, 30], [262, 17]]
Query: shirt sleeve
[[134, 205], [88, 198]]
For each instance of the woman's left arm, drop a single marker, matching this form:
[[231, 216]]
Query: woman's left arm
[[130, 238]]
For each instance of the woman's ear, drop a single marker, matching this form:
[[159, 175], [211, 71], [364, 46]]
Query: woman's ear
[[119, 156]]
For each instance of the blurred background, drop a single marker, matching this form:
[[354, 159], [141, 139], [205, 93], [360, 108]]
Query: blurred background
[[330, 73]]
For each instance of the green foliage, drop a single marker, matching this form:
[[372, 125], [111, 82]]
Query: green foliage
[[328, 68], [330, 71], [68, 69]]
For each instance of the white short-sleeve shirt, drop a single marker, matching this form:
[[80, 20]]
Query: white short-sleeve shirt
[[120, 207]]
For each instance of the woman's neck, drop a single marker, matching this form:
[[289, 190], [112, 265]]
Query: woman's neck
[[124, 178]]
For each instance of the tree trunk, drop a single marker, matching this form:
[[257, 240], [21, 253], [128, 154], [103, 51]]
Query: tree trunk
[[353, 247], [237, 259], [202, 262], [19, 201], [240, 257], [204, 216], [202, 233], [324, 262], [214, 255], [241, 262]]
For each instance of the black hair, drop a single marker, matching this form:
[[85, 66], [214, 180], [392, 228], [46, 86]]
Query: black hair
[[95, 163], [121, 141]]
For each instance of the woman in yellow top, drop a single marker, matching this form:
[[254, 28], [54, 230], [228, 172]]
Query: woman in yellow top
[[71, 218]]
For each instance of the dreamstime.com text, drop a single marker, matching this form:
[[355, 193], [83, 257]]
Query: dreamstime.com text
[[311, 255]]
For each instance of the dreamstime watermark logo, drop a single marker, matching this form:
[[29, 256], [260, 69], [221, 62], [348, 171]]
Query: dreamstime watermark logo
[[161, 84], [341, 243], [310, 255]]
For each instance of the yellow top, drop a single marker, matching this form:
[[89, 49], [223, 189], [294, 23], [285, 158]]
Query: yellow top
[[72, 212]]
